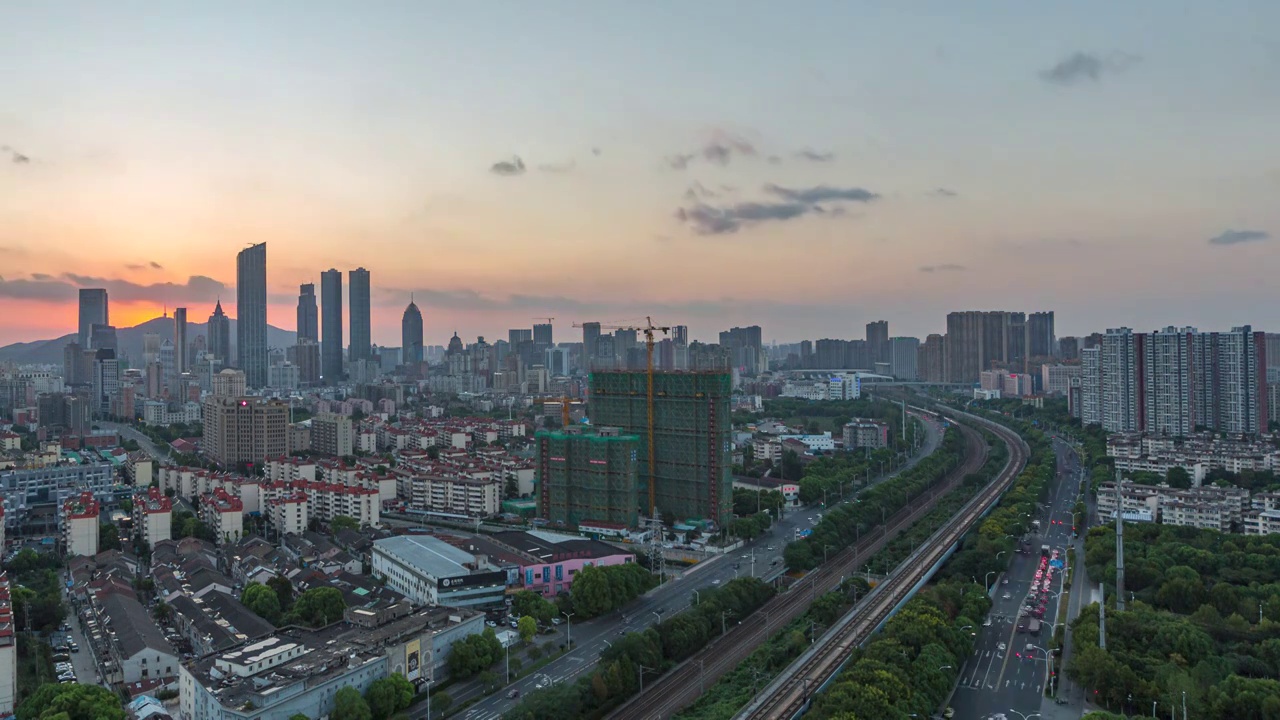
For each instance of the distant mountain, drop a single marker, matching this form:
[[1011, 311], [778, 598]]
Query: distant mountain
[[129, 341]]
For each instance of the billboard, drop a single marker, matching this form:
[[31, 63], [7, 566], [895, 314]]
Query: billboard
[[413, 661]]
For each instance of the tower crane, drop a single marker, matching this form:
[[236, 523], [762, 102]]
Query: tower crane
[[545, 318], [649, 330], [564, 401]]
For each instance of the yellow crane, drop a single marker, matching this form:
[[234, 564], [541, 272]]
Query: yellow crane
[[564, 401], [649, 330]]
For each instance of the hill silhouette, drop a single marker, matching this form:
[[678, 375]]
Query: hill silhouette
[[129, 341]]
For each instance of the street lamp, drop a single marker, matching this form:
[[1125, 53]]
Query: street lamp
[[987, 586], [697, 598], [568, 630], [945, 667]]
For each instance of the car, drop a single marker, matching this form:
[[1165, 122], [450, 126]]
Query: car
[[515, 624], [987, 623], [622, 632], [770, 548], [515, 693], [1059, 701], [1004, 581], [744, 557], [716, 581], [491, 623], [75, 648], [1002, 647], [556, 621], [1006, 596], [775, 562]]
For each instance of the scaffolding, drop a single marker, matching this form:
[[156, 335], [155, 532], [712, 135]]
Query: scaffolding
[[692, 474], [588, 474]]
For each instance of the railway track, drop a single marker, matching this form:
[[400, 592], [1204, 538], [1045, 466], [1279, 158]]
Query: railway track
[[686, 682], [790, 693]]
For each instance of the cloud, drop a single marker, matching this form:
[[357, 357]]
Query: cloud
[[1081, 66], [596, 151], [1235, 237], [679, 161], [14, 156], [944, 192], [41, 289], [796, 202], [41, 276], [821, 193], [134, 267], [155, 265], [945, 267], [559, 168], [197, 289], [721, 149], [815, 156], [514, 166], [698, 191], [774, 160]]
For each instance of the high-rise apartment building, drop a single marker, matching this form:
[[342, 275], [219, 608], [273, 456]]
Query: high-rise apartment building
[[251, 314], [220, 334], [80, 525], [308, 314], [1040, 338], [240, 430], [980, 340], [93, 311], [1069, 348], [332, 434], [1091, 386], [331, 326], [1168, 382], [1272, 345], [1123, 400], [411, 335], [904, 353], [589, 474], [680, 335], [306, 355], [878, 341], [1231, 389], [106, 381], [746, 349], [228, 384], [931, 363], [1173, 380], [691, 445], [361, 319], [181, 348], [515, 336]]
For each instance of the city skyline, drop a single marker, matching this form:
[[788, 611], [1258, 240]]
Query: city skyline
[[1074, 159]]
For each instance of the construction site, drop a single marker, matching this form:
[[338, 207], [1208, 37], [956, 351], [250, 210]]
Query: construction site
[[682, 423], [588, 474]]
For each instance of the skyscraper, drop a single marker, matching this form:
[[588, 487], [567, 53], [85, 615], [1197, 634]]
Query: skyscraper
[[411, 334], [180, 349], [308, 315], [251, 314], [680, 335], [331, 325], [93, 311], [220, 334], [590, 341], [1040, 339], [978, 339], [361, 347], [1168, 382], [904, 355], [878, 340], [542, 335]]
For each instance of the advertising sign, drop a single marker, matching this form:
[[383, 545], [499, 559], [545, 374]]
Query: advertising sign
[[413, 661]]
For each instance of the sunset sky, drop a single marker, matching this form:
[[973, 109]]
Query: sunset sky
[[805, 166]]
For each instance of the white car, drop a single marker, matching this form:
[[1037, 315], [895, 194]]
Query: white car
[[715, 582], [1002, 647]]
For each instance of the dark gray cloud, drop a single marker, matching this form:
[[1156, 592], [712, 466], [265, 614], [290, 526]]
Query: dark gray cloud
[[815, 156], [43, 289], [707, 219], [1082, 66], [944, 192], [821, 193], [197, 289], [155, 265], [41, 276], [724, 146], [945, 267], [558, 168], [15, 156], [141, 266], [514, 166], [1235, 237], [134, 266]]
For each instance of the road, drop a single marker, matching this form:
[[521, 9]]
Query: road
[[157, 453], [592, 637], [1004, 673]]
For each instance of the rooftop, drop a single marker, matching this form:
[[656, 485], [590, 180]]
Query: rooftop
[[428, 554]]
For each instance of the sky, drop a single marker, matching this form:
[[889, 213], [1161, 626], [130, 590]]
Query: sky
[[805, 166]]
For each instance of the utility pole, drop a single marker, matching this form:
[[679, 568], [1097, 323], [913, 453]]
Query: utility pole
[[1119, 546], [1102, 615]]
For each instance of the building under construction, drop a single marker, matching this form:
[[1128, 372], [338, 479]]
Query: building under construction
[[692, 473], [588, 474]]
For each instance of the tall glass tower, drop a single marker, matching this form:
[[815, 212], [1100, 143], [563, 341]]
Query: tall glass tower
[[251, 314]]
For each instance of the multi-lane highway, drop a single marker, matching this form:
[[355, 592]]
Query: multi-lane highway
[[592, 637], [1009, 669], [790, 693]]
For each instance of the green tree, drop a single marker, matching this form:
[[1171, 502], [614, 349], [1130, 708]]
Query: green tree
[[318, 607], [389, 695], [299, 716], [527, 602], [71, 701], [263, 601], [283, 589], [1178, 477], [109, 537], [441, 701], [527, 627], [349, 705], [343, 522]]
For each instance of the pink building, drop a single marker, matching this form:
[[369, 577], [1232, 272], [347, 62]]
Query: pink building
[[550, 562]]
